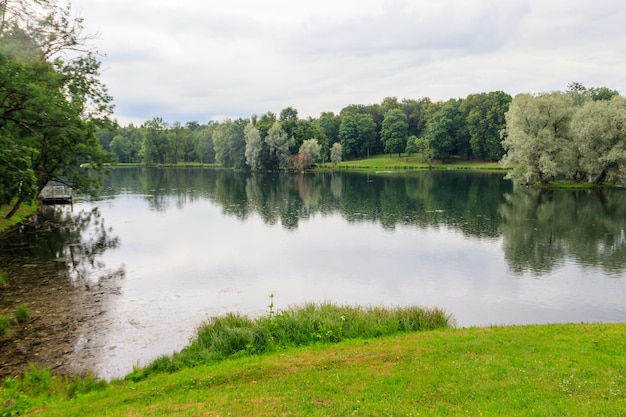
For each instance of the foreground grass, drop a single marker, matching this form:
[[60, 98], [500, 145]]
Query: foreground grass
[[236, 335], [560, 370]]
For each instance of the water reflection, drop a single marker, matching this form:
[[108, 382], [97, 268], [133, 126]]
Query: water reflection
[[466, 202], [544, 228], [54, 267], [540, 229]]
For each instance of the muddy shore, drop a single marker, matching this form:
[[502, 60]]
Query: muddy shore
[[63, 289]]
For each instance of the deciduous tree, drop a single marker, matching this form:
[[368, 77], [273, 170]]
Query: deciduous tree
[[253, 147], [599, 129], [538, 137], [278, 143], [50, 104], [394, 131]]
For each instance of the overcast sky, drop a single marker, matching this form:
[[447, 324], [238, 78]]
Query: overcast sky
[[201, 60]]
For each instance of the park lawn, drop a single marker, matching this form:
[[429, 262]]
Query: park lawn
[[564, 370]]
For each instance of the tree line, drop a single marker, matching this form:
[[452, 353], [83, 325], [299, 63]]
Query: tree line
[[577, 134], [468, 128]]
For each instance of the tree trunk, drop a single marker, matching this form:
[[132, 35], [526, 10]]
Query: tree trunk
[[15, 208], [600, 179]]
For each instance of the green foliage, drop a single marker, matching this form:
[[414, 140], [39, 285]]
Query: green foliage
[[447, 132], [394, 131], [335, 153], [537, 136], [485, 116], [576, 135], [49, 108], [254, 146], [278, 143], [357, 135], [308, 155], [229, 143], [600, 134], [3, 279]]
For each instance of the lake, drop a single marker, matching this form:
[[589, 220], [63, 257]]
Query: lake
[[162, 249]]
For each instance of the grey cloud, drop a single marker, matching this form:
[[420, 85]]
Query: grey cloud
[[402, 29]]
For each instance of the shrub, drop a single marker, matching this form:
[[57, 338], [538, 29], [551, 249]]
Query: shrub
[[21, 313]]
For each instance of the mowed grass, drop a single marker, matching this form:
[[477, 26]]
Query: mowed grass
[[548, 370]]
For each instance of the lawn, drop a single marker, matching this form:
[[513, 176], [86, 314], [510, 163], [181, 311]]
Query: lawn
[[559, 370]]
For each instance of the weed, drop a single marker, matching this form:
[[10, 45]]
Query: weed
[[271, 313], [21, 313], [4, 282]]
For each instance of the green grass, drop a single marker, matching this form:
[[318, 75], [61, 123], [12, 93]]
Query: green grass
[[414, 162], [168, 165], [25, 211], [574, 185], [549, 370], [235, 335], [325, 359]]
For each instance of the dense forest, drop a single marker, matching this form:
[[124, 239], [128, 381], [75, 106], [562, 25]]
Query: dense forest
[[578, 134], [468, 128]]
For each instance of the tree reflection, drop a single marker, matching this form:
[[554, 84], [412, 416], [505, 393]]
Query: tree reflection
[[467, 202], [541, 228], [57, 234], [54, 265]]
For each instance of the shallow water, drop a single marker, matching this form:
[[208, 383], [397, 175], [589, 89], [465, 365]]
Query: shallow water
[[180, 245]]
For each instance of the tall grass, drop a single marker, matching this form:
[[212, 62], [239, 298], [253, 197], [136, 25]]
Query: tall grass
[[236, 335]]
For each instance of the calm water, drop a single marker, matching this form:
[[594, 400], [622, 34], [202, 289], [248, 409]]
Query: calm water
[[183, 244]]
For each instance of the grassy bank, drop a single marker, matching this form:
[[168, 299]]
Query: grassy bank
[[414, 162], [25, 211], [574, 370]]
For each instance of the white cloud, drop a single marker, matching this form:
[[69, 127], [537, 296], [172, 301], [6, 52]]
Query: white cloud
[[195, 60]]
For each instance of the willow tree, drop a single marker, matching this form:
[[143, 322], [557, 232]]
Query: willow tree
[[279, 144], [538, 137], [600, 132], [254, 146]]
